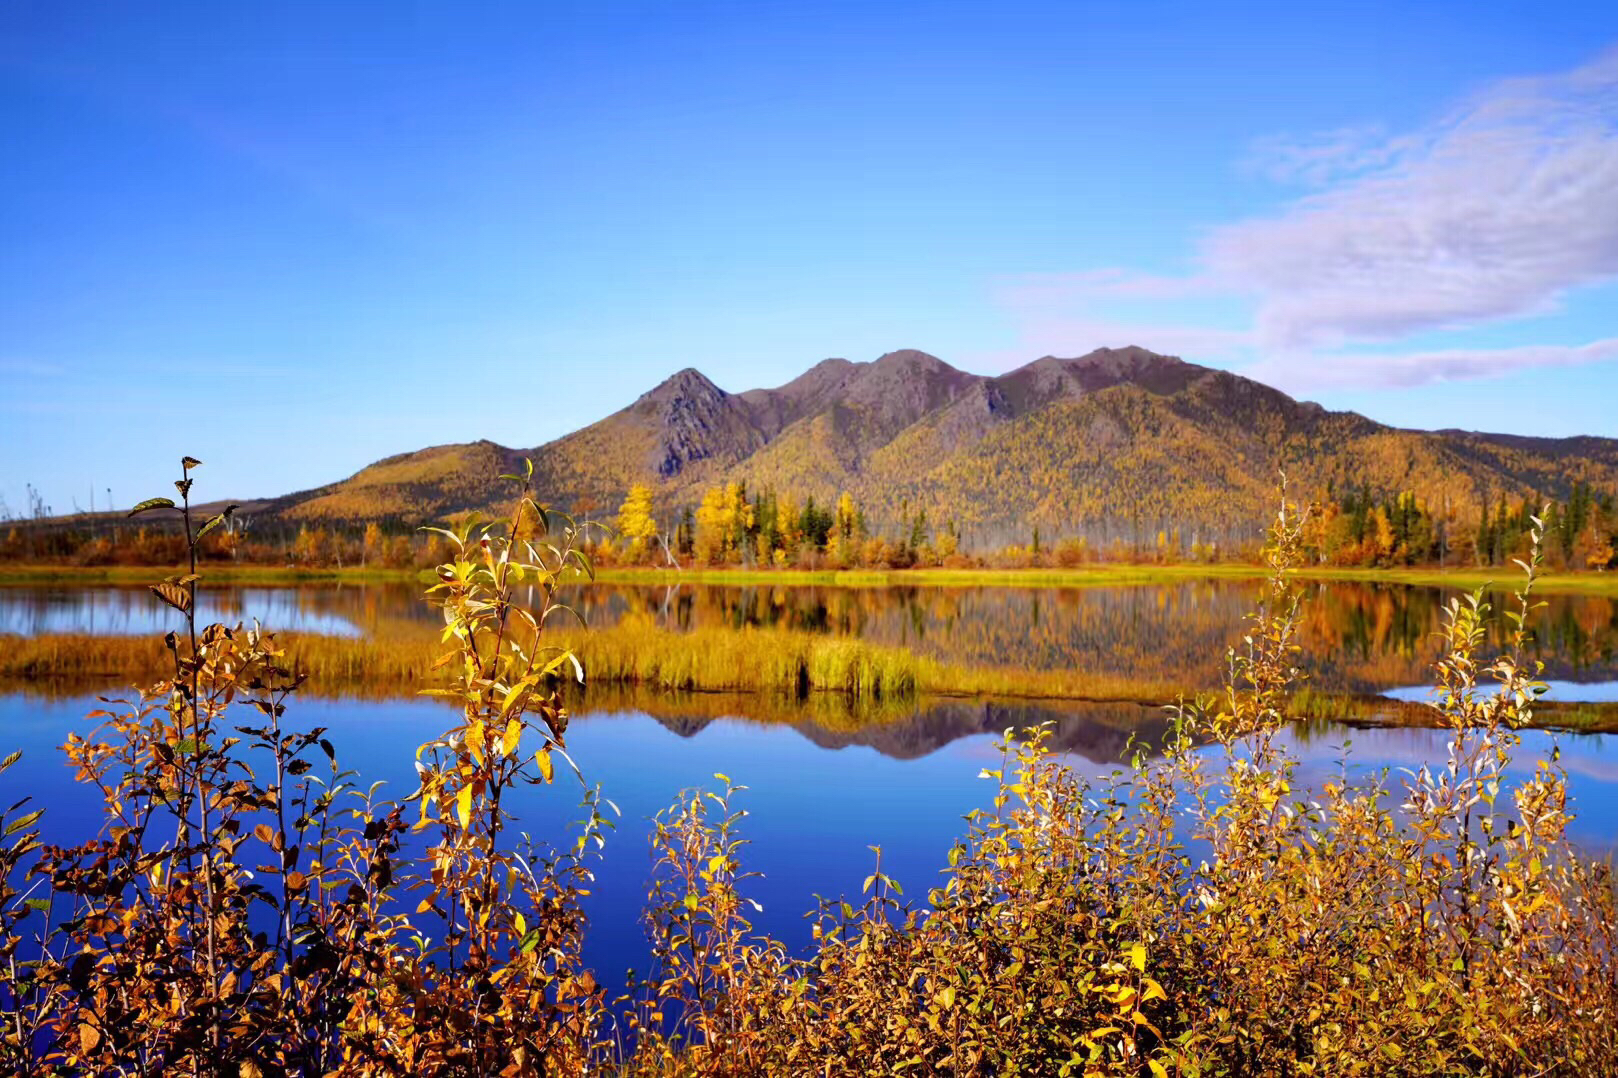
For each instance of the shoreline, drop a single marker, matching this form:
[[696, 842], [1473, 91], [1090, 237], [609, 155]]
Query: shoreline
[[1091, 576]]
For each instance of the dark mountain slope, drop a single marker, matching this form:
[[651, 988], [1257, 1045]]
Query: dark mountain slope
[[1120, 442]]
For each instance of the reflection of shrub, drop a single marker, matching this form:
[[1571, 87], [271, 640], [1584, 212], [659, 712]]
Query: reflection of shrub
[[1076, 932], [1195, 913]]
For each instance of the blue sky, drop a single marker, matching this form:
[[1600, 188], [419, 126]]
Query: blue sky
[[292, 239]]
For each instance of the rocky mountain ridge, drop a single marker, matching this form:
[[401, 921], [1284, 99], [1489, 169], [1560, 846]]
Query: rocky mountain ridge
[[1117, 442]]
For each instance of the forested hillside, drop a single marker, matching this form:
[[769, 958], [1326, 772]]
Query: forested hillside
[[1117, 445]]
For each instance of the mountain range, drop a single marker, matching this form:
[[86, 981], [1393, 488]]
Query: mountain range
[[1116, 443]]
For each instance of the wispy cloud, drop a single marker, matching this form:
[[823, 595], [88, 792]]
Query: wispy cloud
[[1501, 209], [1407, 370], [1320, 158], [1496, 212]]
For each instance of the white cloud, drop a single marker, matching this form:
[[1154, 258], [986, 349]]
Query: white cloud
[[1407, 370], [1496, 212], [1500, 210]]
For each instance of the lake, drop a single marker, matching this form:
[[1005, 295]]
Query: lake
[[826, 783], [1357, 637]]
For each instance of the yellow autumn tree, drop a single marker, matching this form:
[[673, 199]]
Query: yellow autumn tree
[[374, 543], [788, 514], [713, 521], [1599, 554], [1381, 537], [846, 515], [636, 524], [312, 546]]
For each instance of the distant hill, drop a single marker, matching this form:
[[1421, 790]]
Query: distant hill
[[1117, 443]]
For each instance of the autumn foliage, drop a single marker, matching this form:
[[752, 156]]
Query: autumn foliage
[[249, 910]]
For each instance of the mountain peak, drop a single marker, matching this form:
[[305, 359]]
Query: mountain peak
[[1107, 367], [826, 373], [1131, 357], [685, 383], [901, 387], [911, 357], [691, 420], [836, 363]]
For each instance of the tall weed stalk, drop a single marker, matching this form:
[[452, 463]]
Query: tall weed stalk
[[247, 910]]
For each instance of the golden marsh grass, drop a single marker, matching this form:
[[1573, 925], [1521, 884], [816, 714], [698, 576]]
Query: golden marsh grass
[[784, 668]]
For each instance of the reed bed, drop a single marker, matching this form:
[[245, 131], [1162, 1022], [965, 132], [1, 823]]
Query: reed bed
[[392, 667], [783, 667], [705, 660]]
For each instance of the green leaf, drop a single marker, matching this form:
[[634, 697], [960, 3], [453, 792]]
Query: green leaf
[[215, 521], [21, 822], [153, 503]]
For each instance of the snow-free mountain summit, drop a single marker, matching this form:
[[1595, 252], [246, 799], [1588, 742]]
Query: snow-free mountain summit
[[1116, 443]]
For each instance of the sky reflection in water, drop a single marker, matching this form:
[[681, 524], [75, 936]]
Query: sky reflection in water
[[815, 803]]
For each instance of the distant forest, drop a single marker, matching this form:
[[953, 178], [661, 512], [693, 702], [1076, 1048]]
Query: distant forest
[[737, 525]]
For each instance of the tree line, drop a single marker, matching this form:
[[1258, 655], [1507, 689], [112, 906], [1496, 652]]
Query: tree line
[[1356, 528], [737, 524], [1351, 527]]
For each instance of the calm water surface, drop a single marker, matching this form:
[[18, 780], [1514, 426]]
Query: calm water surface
[[824, 789], [133, 611], [816, 800], [1357, 637]]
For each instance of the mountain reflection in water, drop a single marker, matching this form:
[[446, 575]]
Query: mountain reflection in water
[[1356, 637]]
